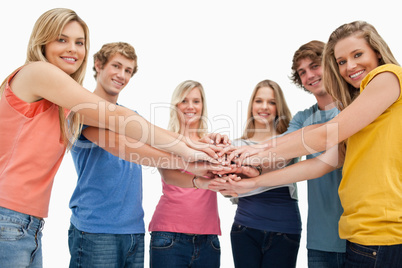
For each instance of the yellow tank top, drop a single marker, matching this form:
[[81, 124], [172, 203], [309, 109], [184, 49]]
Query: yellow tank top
[[371, 188]]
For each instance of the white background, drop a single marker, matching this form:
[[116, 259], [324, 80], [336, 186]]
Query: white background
[[228, 46]]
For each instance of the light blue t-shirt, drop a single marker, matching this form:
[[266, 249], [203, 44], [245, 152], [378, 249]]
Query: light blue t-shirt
[[324, 206], [108, 195]]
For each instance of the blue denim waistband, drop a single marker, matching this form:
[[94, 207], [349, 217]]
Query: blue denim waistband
[[183, 236], [28, 221]]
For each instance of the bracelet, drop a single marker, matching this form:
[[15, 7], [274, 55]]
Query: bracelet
[[194, 184], [259, 168]]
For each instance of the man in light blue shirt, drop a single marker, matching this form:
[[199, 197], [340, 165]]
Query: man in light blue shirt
[[325, 248]]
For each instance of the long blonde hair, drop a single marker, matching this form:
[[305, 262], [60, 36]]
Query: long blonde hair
[[48, 28], [283, 114], [178, 96], [336, 86]]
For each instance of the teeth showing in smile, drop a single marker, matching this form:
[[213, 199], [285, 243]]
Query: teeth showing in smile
[[118, 83], [315, 83], [70, 59], [189, 114], [356, 74]]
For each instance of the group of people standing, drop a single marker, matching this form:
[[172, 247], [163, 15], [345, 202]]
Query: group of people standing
[[44, 110]]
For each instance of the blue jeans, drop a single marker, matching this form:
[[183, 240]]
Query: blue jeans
[[359, 256], [20, 239], [324, 259], [253, 248], [184, 250], [105, 250]]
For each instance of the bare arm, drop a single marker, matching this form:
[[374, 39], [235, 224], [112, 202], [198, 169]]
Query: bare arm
[[143, 154], [183, 179], [379, 94], [304, 170], [44, 80], [238, 154]]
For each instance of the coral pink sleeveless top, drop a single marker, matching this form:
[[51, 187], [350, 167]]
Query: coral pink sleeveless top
[[31, 150], [186, 210]]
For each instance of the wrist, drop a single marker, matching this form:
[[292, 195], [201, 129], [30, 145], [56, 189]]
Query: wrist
[[194, 183], [257, 181], [259, 169], [187, 166]]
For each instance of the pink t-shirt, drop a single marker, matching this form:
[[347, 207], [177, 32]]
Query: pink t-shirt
[[31, 150], [186, 210]]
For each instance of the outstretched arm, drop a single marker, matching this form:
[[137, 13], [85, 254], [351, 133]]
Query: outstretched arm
[[382, 91], [304, 170], [185, 179], [43, 80], [238, 154], [143, 154]]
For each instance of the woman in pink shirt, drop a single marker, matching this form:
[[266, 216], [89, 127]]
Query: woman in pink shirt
[[185, 225]]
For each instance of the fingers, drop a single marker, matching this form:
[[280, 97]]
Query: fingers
[[226, 170], [250, 171], [254, 160], [216, 138], [206, 139], [227, 149], [223, 139], [200, 156]]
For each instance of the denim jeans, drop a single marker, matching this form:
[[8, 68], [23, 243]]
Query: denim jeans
[[184, 250], [105, 250], [253, 248], [359, 256], [324, 259], [20, 239]]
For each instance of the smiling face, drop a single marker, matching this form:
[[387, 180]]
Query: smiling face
[[68, 51], [190, 108], [310, 74], [355, 59], [264, 107], [114, 75]]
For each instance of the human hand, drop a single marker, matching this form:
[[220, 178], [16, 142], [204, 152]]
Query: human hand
[[246, 151], [216, 138], [210, 149], [232, 183], [205, 169], [203, 183], [247, 171]]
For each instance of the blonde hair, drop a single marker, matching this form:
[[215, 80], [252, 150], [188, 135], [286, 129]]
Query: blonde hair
[[178, 96], [336, 86], [48, 28], [283, 114]]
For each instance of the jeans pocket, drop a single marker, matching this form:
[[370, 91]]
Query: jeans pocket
[[215, 243], [238, 228], [10, 230], [361, 252], [161, 241], [294, 238]]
